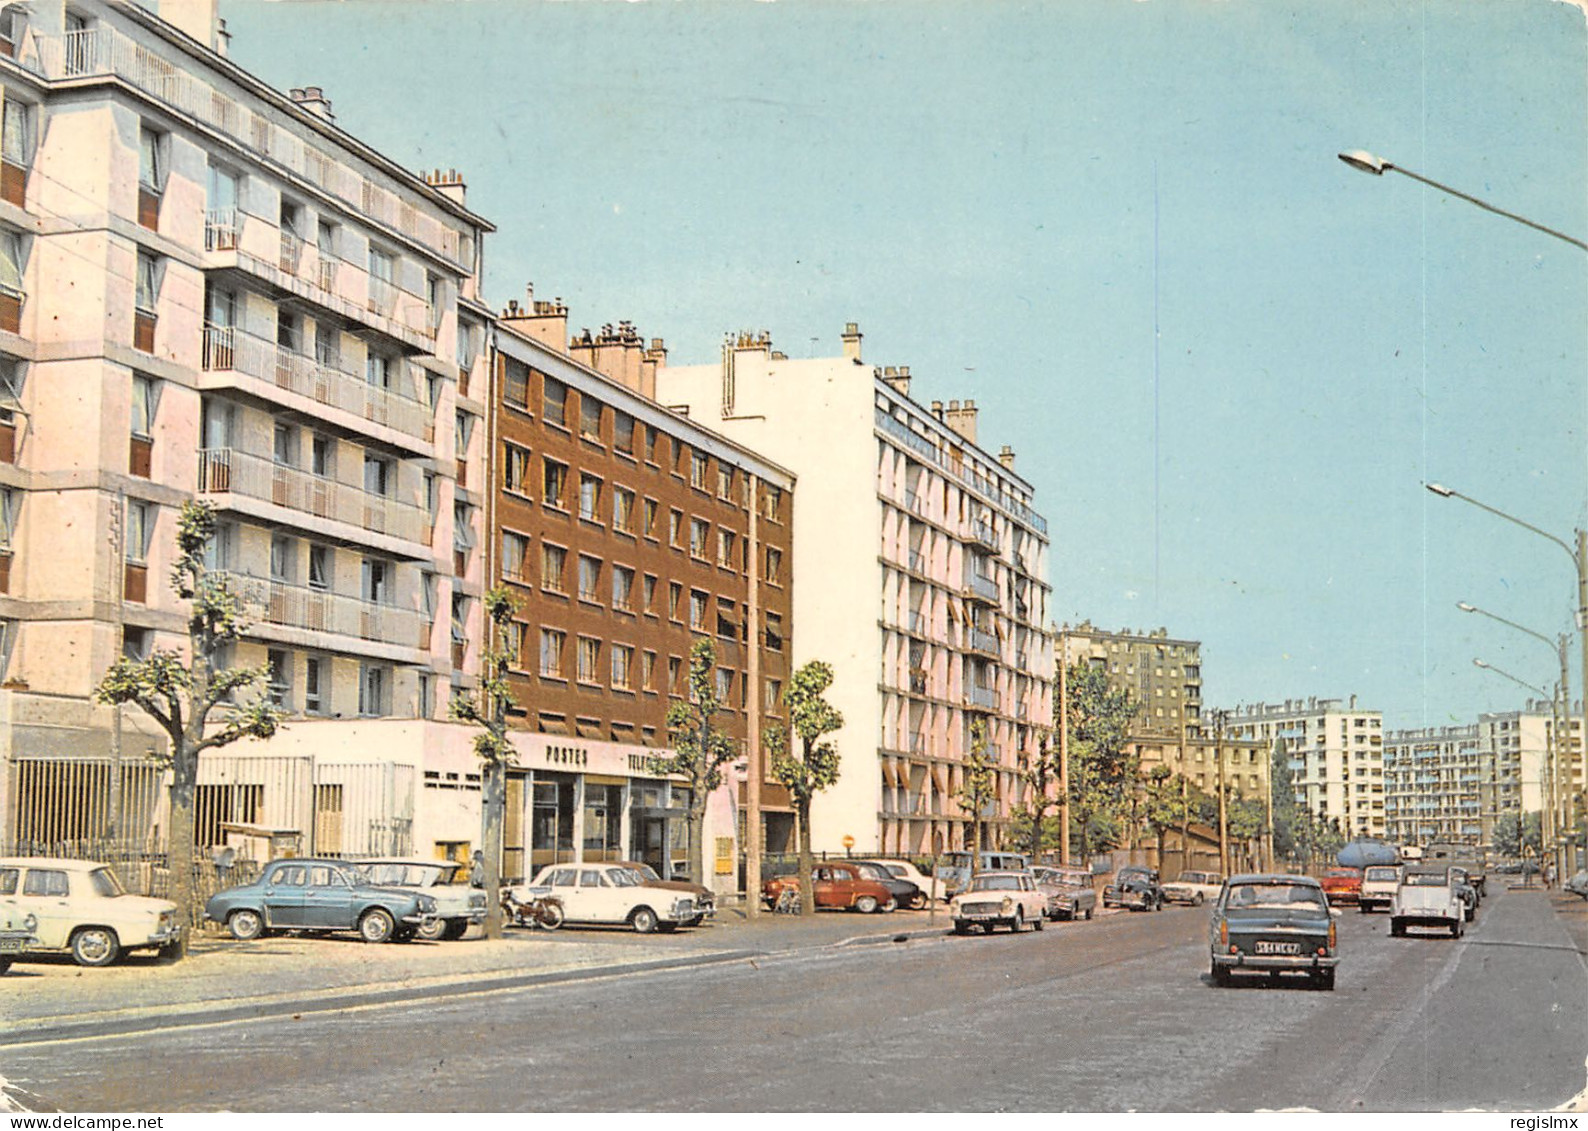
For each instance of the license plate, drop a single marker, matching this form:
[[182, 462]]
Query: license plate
[[8, 945], [1266, 947]]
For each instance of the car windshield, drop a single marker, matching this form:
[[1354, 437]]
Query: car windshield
[[105, 883], [956, 860], [1426, 880], [897, 870], [995, 883], [1193, 877], [399, 874], [624, 878], [1277, 896], [1381, 873], [873, 872], [646, 873]]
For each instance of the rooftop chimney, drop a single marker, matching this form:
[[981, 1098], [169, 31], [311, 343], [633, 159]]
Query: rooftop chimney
[[1006, 456], [198, 18], [897, 379], [313, 99], [851, 338], [962, 420], [543, 322], [937, 409], [449, 184], [619, 353]]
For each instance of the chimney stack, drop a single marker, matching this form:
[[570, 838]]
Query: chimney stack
[[313, 99], [449, 184], [851, 339], [937, 409], [1007, 457], [897, 379], [543, 322], [962, 420], [619, 353]]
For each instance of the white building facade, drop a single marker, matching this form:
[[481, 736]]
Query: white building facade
[[1336, 756]]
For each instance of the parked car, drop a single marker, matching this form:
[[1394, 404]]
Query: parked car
[[1273, 924], [994, 899], [905, 893], [1466, 890], [16, 935], [1428, 897], [1577, 885], [1195, 888], [705, 899], [1070, 892], [931, 887], [445, 881], [1135, 887], [319, 895], [954, 868], [1379, 882], [1342, 885], [613, 894], [80, 907], [1465, 856], [838, 884]]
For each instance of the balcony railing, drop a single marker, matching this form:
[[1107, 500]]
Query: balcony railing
[[319, 610], [920, 624], [917, 563], [104, 52], [981, 696], [982, 586], [230, 470], [978, 640], [983, 534], [222, 229], [228, 349], [291, 252], [931, 453]]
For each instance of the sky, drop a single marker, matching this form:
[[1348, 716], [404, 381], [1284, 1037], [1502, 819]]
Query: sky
[[1226, 361]]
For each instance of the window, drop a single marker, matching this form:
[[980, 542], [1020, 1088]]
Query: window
[[725, 546], [375, 581], [680, 457], [10, 501], [515, 384], [515, 469], [589, 659], [554, 401], [650, 444], [774, 566], [724, 686], [675, 600], [460, 619], [675, 528], [283, 556], [13, 22], [278, 683], [589, 418], [374, 690], [622, 667], [551, 645], [727, 619], [140, 530], [145, 400], [320, 568], [649, 517], [589, 498], [623, 432], [724, 482], [468, 334], [648, 671], [13, 262], [462, 533], [515, 553], [552, 561], [382, 288], [149, 274], [151, 175], [463, 424], [699, 606], [16, 148], [622, 588], [675, 675], [222, 222], [649, 595], [774, 632], [623, 509], [699, 537], [325, 244], [377, 371], [771, 502], [379, 475], [589, 578], [698, 468], [774, 694], [553, 484]]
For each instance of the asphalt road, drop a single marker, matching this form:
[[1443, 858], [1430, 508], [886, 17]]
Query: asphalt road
[[1113, 1015]]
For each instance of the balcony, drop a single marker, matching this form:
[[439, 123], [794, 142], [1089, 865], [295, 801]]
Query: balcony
[[282, 604], [983, 697], [919, 624], [928, 452], [269, 370], [231, 471], [982, 534], [980, 587], [917, 563], [982, 641]]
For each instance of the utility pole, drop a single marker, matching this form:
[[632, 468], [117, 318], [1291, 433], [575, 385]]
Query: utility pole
[[1218, 752], [754, 770], [1064, 748]]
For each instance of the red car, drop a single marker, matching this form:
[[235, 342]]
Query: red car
[[1342, 885], [838, 884]]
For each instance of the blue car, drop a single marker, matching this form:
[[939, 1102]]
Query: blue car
[[306, 894], [1273, 924]]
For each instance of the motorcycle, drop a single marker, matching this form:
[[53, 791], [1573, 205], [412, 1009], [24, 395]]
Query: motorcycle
[[524, 907]]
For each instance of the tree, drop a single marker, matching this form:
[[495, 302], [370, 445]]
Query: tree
[[181, 695], [488, 708], [1163, 805], [1513, 832], [1282, 793], [1101, 772], [1038, 773], [815, 767], [977, 784], [702, 749]]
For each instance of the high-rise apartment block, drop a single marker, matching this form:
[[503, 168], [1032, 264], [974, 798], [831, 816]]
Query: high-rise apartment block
[[1336, 756], [919, 567]]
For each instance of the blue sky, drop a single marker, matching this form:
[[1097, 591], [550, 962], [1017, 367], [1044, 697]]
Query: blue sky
[[1226, 361]]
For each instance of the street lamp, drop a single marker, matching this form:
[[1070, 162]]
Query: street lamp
[[1363, 161], [1566, 748]]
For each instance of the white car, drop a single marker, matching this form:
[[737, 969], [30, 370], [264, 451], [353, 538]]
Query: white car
[[612, 893], [79, 906], [1195, 888], [904, 870], [993, 899], [1379, 882], [445, 881]]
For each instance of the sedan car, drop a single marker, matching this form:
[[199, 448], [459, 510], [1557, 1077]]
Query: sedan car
[[705, 899], [993, 899], [320, 896], [905, 893], [1195, 888], [1342, 885], [1135, 887], [612, 894], [16, 935], [80, 907], [1273, 924], [1069, 891], [838, 884], [931, 887], [445, 881]]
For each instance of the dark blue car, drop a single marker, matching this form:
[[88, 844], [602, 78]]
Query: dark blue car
[[1273, 924]]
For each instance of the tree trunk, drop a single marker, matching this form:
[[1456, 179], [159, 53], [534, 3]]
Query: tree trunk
[[493, 811], [807, 858], [697, 840], [179, 848]]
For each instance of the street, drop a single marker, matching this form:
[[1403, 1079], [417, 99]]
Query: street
[[1113, 1015]]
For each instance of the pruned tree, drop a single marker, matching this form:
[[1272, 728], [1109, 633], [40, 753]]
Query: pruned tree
[[1163, 804], [1282, 793], [1516, 832], [180, 693], [702, 749], [1039, 773], [1102, 772], [978, 785], [487, 707], [814, 767]]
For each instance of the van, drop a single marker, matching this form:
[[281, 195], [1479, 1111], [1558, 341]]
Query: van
[[954, 869]]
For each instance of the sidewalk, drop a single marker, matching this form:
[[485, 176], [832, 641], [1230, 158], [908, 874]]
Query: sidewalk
[[221, 979]]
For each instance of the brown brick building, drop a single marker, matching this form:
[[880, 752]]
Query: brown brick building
[[625, 533]]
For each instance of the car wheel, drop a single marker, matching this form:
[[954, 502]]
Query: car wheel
[[1039, 923], [1199, 900], [376, 925], [891, 905], [919, 902], [961, 928], [1020, 922], [1221, 975], [643, 920], [1090, 911], [866, 904], [1471, 912], [435, 930], [1324, 979], [1458, 928], [455, 929], [246, 924], [1397, 929], [5, 964], [95, 946]]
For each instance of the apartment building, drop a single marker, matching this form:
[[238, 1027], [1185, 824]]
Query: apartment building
[[212, 290], [625, 533], [919, 567], [1336, 756], [1439, 786]]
